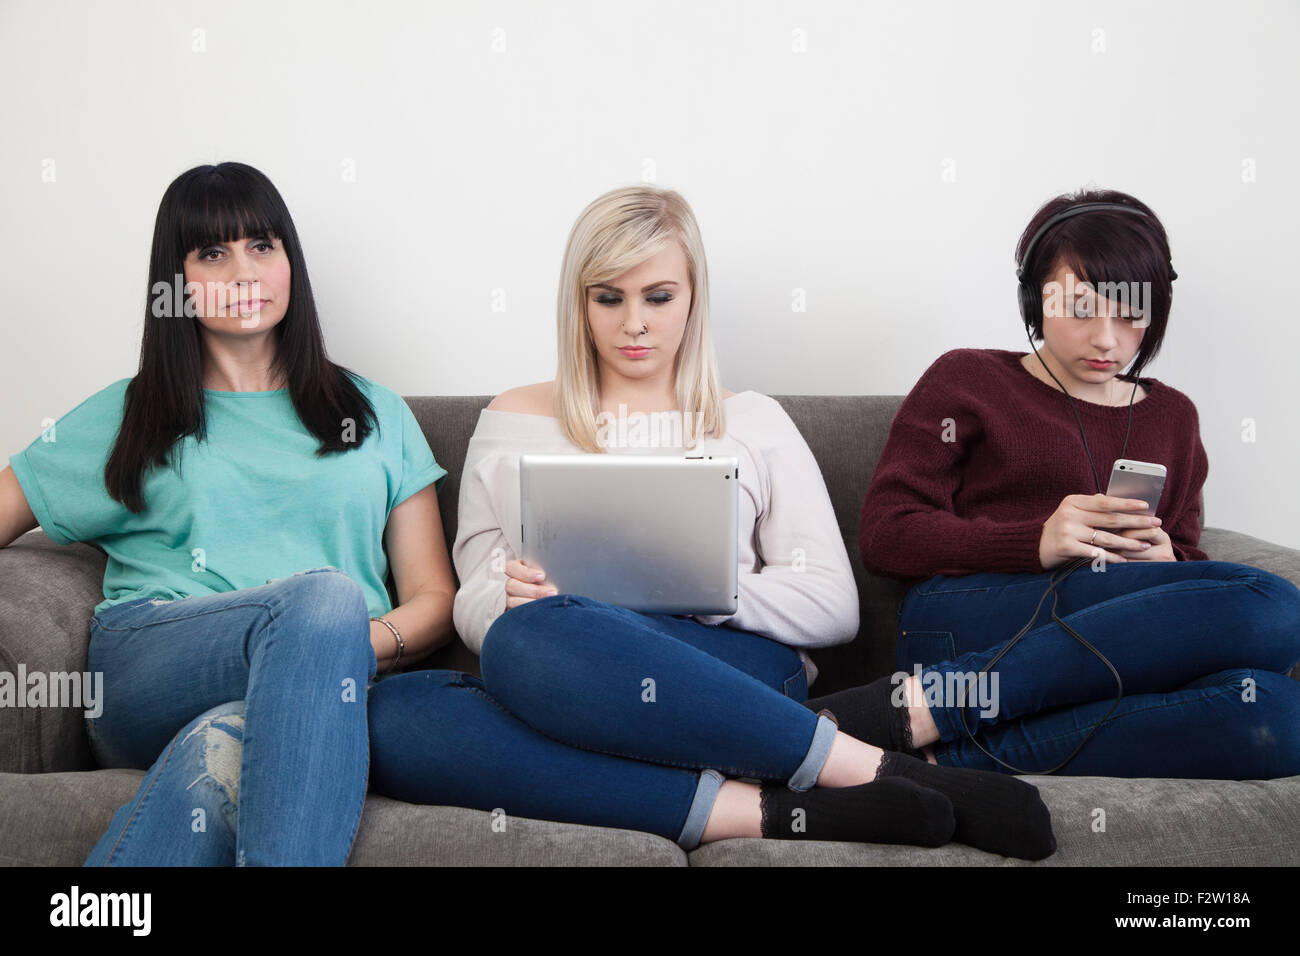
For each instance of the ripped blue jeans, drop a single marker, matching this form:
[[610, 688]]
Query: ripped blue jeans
[[249, 710]]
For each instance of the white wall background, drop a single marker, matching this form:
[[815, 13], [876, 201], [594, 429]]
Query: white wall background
[[478, 131]]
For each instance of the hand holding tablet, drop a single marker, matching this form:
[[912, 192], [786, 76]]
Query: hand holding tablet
[[525, 583]]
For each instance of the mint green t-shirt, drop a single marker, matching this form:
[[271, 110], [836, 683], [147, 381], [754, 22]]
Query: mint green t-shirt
[[250, 504]]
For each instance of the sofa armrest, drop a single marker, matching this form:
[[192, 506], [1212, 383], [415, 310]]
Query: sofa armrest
[[1220, 544], [48, 593]]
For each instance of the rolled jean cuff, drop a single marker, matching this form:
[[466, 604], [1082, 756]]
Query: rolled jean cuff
[[805, 778], [701, 807]]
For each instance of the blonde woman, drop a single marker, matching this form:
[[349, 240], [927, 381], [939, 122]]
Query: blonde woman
[[557, 728]]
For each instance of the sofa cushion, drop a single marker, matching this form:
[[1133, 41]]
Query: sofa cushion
[[55, 819], [846, 434], [46, 600], [404, 834], [1148, 822]]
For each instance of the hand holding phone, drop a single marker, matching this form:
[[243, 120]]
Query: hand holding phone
[[1084, 524], [1121, 524], [1144, 481]]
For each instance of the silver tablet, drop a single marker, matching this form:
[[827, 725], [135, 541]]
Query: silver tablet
[[650, 533]]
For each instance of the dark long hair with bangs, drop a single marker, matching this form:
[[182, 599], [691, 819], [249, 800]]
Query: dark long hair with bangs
[[164, 402], [1105, 246]]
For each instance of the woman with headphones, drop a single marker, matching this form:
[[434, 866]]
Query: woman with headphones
[[559, 726], [989, 496]]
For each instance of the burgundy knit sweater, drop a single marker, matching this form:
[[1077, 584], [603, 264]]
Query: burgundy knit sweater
[[978, 500]]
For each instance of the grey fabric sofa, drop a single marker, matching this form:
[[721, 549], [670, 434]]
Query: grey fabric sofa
[[54, 804]]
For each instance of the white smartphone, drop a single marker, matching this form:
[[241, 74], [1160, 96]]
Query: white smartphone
[[1142, 480]]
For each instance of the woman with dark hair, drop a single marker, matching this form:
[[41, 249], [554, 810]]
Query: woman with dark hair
[[251, 497], [1166, 664]]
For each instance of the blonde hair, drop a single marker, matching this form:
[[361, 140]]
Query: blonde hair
[[618, 232]]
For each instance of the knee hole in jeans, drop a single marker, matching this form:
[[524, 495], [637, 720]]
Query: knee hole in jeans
[[214, 746]]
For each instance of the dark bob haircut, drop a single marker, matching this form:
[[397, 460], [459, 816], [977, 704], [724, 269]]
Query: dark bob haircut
[[164, 401], [1104, 246]]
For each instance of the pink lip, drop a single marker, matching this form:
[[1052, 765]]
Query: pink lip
[[631, 352], [248, 305], [1096, 364]]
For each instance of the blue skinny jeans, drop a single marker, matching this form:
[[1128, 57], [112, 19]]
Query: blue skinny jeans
[[1202, 647], [591, 713]]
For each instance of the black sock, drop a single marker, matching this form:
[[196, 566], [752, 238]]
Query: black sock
[[869, 714], [893, 810], [995, 812]]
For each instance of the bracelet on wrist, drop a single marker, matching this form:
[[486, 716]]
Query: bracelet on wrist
[[401, 645]]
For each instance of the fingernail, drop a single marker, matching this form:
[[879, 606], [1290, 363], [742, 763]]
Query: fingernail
[[551, 592], [1145, 545]]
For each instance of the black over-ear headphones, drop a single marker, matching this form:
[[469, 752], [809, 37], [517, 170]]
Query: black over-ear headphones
[[1031, 296]]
